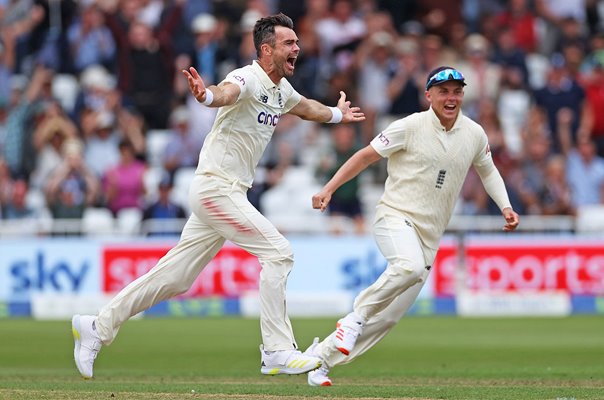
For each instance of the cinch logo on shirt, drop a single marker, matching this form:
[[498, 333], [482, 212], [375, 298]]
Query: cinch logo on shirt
[[239, 78], [384, 139], [268, 119]]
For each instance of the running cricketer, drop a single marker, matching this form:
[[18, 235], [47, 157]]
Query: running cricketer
[[429, 154], [251, 100]]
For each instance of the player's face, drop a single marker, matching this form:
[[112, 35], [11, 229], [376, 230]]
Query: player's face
[[446, 99], [286, 50]]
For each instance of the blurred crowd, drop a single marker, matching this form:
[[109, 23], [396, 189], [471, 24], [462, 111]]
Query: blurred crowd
[[84, 85]]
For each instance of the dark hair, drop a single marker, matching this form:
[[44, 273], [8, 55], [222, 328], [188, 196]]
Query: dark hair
[[264, 30]]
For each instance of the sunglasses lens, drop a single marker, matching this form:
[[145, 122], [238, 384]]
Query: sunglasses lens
[[445, 75]]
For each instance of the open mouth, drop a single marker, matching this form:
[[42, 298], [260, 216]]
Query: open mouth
[[450, 107], [291, 62]]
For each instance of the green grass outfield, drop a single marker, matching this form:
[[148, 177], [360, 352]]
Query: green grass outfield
[[422, 358]]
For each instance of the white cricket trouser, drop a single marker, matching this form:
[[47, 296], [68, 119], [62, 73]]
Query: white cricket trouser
[[384, 303], [221, 212]]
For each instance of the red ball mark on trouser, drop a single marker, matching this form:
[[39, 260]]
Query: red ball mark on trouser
[[214, 210]]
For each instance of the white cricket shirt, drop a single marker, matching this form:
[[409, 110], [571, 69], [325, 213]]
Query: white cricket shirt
[[242, 130], [427, 167]]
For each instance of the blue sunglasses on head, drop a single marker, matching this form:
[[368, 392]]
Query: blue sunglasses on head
[[448, 74]]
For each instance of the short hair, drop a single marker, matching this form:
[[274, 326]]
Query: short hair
[[264, 30]]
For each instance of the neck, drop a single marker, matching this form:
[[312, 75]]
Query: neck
[[269, 67]]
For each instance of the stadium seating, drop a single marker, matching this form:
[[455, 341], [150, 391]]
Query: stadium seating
[[590, 218], [288, 205], [157, 139], [129, 221], [180, 191], [97, 222]]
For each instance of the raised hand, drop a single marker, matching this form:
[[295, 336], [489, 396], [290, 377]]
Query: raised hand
[[198, 88], [349, 114]]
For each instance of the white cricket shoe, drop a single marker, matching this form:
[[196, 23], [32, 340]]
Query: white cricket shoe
[[312, 350], [348, 329], [291, 362], [319, 377], [87, 343]]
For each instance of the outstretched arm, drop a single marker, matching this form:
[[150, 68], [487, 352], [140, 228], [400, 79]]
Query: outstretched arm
[[351, 168], [312, 110], [225, 94]]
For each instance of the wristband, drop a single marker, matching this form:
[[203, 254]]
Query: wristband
[[336, 115], [209, 98]]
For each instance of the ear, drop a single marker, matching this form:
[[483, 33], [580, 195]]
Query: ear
[[266, 49], [428, 96]]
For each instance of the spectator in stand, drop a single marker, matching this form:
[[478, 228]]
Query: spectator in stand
[[374, 65], [48, 138], [72, 186], [18, 20], [513, 106], [22, 120], [438, 17], [405, 85], [123, 184], [531, 182], [521, 21], [309, 78], [433, 53], [555, 198], [572, 32], [191, 9], [315, 13], [151, 12], [99, 96], [164, 208], [561, 92], [585, 172], [594, 90], [507, 54], [475, 200], [145, 66], [102, 143], [484, 75], [594, 15], [90, 41], [6, 184], [246, 51], [47, 41], [340, 32], [205, 47], [183, 148], [596, 47], [151, 76], [345, 202], [97, 92], [16, 207], [553, 13], [7, 64], [207, 53], [574, 55]]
